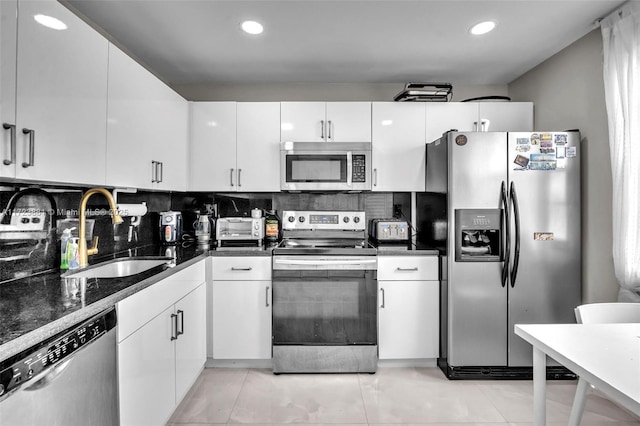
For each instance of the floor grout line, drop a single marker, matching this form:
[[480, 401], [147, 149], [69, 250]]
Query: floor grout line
[[235, 401]]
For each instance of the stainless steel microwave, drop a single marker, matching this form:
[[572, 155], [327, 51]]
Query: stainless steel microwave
[[325, 166]]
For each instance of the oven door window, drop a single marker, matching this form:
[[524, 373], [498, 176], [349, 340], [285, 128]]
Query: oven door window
[[316, 168], [324, 307]]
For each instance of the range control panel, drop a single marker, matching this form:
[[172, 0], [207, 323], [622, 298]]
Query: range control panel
[[334, 220], [22, 368]]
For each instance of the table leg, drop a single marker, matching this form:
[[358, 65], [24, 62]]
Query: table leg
[[539, 387], [578, 402]]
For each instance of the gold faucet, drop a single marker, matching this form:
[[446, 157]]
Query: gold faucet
[[83, 251]]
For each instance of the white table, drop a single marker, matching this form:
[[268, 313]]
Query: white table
[[606, 355]]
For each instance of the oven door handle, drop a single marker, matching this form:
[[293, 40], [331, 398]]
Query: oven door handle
[[349, 169], [325, 262]]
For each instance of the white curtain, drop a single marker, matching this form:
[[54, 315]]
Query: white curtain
[[621, 39]]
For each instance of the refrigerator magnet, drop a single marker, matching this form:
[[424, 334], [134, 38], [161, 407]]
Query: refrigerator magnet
[[560, 139], [543, 236], [521, 161], [543, 165], [523, 144], [571, 152], [560, 152], [542, 157], [535, 139], [546, 140]]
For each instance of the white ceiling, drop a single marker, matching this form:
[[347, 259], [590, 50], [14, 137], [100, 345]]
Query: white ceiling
[[343, 41]]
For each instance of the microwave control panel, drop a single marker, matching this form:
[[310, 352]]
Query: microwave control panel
[[359, 168]]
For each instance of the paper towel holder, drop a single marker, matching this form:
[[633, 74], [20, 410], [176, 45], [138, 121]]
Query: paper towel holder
[[130, 210]]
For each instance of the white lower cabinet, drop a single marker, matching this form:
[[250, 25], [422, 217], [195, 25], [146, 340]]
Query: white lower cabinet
[[161, 346], [241, 305], [408, 308]]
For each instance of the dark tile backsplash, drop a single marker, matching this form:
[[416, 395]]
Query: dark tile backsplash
[[24, 253]]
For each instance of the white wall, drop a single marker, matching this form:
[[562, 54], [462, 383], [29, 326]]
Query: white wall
[[318, 92], [568, 93]]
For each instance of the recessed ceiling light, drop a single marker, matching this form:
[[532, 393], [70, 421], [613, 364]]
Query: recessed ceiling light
[[252, 27], [50, 22], [482, 28]]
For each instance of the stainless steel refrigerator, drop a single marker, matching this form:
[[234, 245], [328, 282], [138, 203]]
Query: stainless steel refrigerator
[[505, 207]]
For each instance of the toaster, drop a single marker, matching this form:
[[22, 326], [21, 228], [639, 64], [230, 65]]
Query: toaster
[[389, 230]]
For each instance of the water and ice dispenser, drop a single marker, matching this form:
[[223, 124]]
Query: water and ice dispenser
[[478, 235]]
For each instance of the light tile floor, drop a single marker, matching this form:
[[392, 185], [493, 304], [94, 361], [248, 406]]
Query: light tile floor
[[392, 396]]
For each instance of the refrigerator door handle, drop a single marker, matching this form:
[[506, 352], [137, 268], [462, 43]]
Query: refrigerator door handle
[[507, 229], [516, 217]]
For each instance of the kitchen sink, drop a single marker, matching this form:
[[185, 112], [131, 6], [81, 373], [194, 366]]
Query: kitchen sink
[[118, 268]]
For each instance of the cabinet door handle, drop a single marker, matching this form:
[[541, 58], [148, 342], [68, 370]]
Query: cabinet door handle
[[382, 304], [321, 129], [160, 175], [233, 268], [12, 130], [329, 130], [231, 177], [174, 327], [267, 297], [475, 126], [32, 146], [485, 124], [415, 269], [239, 174], [375, 177], [180, 330], [154, 171]]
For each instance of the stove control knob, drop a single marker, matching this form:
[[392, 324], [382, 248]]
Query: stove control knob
[[301, 219], [356, 219], [345, 219], [291, 219]]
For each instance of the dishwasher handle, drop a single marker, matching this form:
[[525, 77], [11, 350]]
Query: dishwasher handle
[[50, 376]]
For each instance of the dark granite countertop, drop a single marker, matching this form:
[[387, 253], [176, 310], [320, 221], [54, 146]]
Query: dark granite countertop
[[35, 308]]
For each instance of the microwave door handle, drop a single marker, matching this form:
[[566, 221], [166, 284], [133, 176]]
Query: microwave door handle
[[349, 169]]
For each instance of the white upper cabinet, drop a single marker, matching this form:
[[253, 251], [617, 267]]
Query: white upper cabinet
[[8, 45], [478, 116], [212, 158], [398, 145], [258, 146], [445, 116], [326, 121], [235, 147], [506, 116], [60, 95], [147, 128]]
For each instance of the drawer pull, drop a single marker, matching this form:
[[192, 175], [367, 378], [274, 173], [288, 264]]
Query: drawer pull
[[174, 327], [180, 330], [32, 146], [233, 268], [415, 269], [382, 304], [12, 129]]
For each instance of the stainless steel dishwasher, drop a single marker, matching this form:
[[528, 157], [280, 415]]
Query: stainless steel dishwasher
[[69, 379]]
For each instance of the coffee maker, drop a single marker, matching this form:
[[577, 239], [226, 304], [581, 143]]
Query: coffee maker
[[170, 227]]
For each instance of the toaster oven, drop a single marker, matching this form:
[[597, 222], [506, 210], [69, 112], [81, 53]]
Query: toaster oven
[[240, 230]]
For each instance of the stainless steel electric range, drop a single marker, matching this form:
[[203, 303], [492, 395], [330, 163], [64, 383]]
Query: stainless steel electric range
[[324, 294]]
